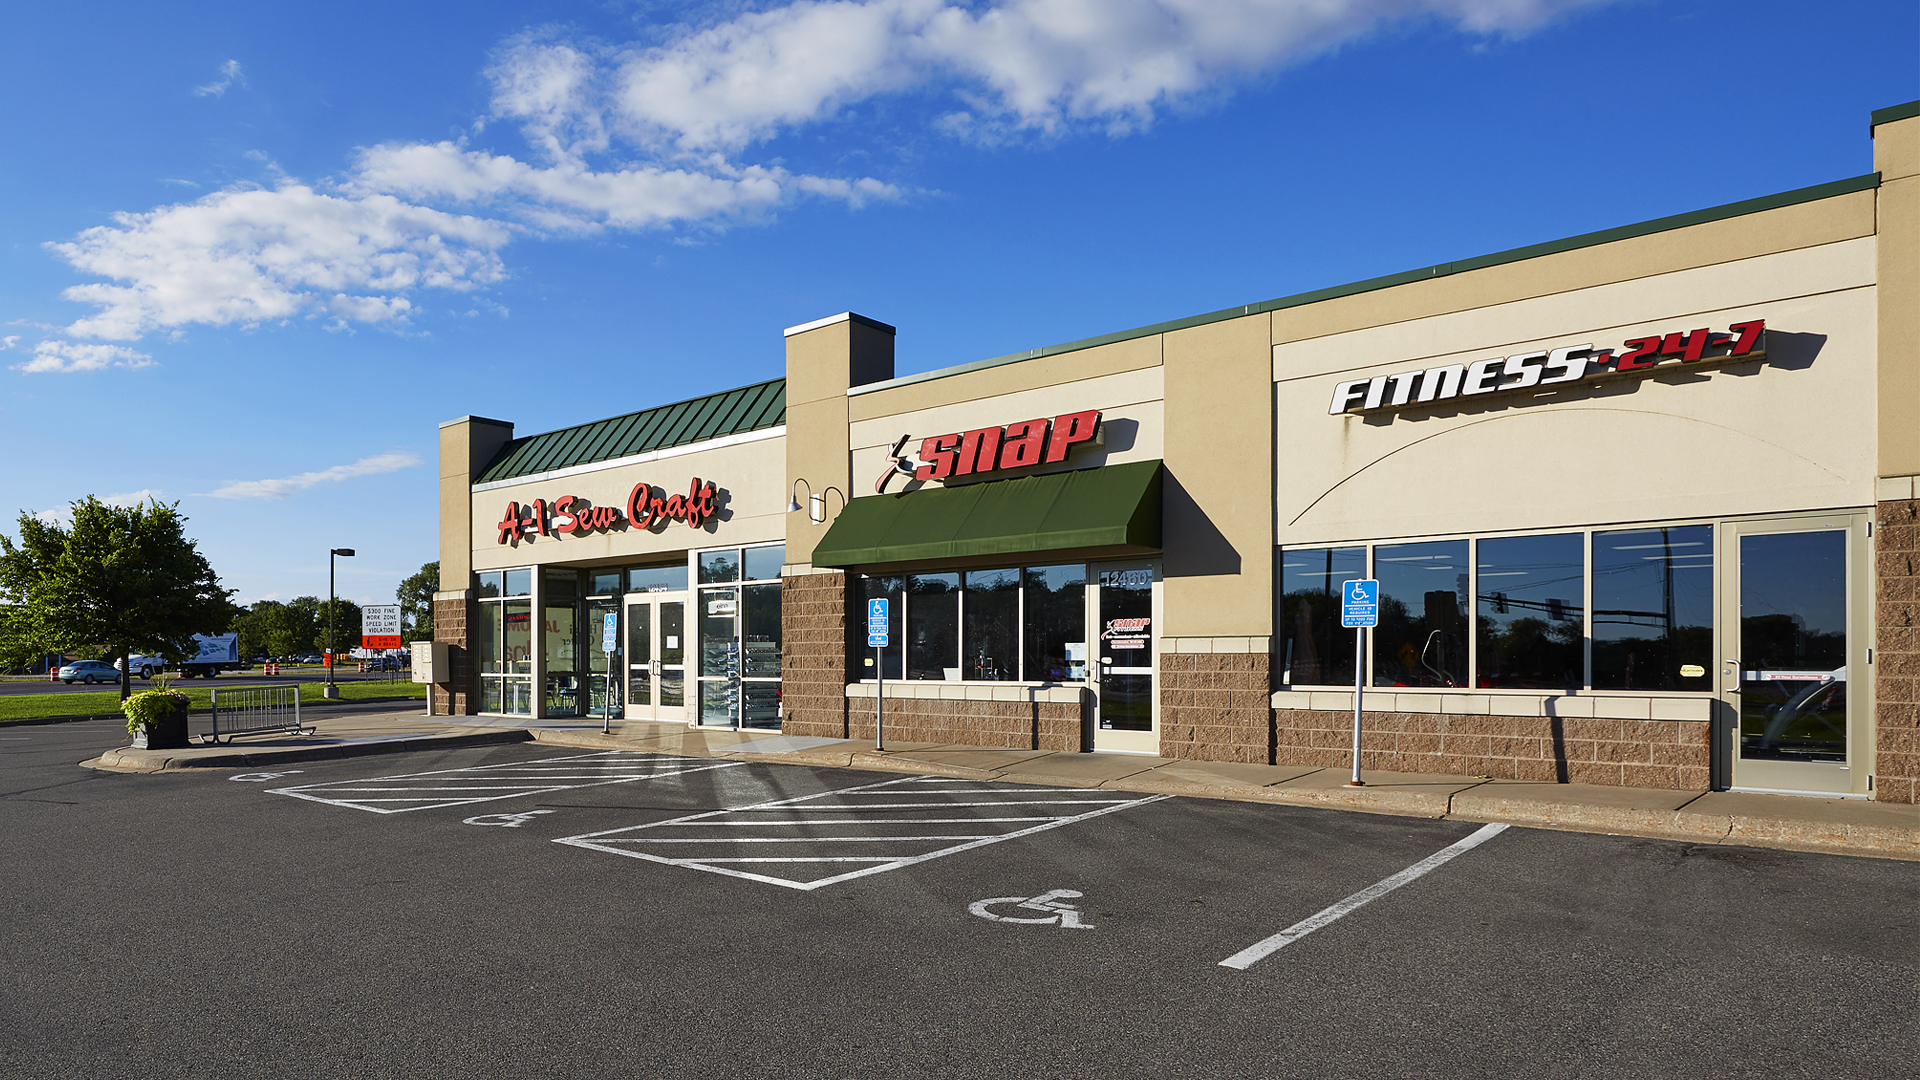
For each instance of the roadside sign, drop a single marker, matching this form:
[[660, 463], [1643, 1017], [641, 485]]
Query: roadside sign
[[1360, 603], [877, 624], [609, 631], [380, 626], [877, 641]]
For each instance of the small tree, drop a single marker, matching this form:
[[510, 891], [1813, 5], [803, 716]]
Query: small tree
[[124, 578], [416, 603], [346, 628]]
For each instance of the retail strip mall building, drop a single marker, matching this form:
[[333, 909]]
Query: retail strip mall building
[[1641, 504]]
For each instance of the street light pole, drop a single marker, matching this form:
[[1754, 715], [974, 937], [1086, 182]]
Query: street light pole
[[333, 650]]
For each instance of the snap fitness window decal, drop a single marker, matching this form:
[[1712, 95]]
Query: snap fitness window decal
[[570, 515], [1567, 364], [993, 449]]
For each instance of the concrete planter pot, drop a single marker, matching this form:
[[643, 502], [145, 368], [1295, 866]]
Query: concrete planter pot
[[169, 732]]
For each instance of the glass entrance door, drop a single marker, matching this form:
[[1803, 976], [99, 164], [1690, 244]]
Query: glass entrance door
[[656, 658], [1796, 634], [1128, 615]]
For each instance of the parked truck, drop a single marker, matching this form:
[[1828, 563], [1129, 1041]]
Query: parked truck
[[217, 653]]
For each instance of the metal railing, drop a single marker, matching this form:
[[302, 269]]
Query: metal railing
[[254, 710]]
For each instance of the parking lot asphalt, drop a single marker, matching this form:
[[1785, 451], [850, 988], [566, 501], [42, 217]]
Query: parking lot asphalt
[[527, 909]]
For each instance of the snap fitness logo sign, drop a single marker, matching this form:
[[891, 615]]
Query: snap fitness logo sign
[[989, 450], [1568, 364], [570, 515]]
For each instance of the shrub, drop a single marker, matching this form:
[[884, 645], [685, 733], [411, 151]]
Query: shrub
[[151, 706]]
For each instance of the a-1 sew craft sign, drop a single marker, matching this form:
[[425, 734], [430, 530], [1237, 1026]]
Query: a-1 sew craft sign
[[570, 515]]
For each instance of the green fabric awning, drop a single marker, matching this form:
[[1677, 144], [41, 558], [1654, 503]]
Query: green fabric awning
[[1113, 506]]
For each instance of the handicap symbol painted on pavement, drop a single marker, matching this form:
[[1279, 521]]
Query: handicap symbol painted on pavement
[[1066, 916], [509, 821], [262, 777]]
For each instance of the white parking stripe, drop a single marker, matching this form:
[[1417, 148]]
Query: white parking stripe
[[777, 819], [1260, 950], [489, 783]]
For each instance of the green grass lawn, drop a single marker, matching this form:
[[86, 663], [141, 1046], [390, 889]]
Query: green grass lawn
[[40, 706]]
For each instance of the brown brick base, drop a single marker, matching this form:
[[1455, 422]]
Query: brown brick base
[[1215, 707], [813, 664], [1623, 753], [1896, 667], [456, 697], [1000, 725]]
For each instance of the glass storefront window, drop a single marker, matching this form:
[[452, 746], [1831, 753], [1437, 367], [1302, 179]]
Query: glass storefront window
[[516, 635], [517, 583], [1653, 608], [1315, 649], [486, 641], [763, 563], [560, 632], [761, 647], [1532, 622], [933, 626], [603, 582], [670, 578], [719, 566], [489, 584], [1056, 623], [990, 635], [1422, 636], [563, 586]]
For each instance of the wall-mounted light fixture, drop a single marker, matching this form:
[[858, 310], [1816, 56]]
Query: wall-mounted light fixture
[[816, 504]]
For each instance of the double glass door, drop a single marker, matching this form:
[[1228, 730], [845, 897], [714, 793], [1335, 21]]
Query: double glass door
[[1127, 603], [1796, 633], [656, 656]]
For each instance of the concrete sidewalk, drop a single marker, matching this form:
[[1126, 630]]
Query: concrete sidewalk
[[1839, 826]]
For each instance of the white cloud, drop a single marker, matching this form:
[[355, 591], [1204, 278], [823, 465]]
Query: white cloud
[[68, 356], [9, 342], [280, 488], [131, 498], [1037, 64], [570, 195], [229, 74], [247, 256]]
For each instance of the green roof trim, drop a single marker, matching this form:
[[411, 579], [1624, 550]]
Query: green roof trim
[[1407, 277], [1114, 506], [731, 412], [1888, 115]]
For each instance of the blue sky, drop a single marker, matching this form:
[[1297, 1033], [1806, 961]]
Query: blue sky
[[252, 255]]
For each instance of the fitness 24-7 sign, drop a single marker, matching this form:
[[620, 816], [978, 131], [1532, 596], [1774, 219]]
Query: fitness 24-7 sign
[[1552, 367], [570, 515], [1039, 441]]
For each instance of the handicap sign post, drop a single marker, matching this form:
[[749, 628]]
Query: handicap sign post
[[609, 644], [877, 637], [1359, 612]]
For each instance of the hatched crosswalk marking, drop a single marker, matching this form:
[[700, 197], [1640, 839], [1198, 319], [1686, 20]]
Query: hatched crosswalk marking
[[835, 836], [490, 783]]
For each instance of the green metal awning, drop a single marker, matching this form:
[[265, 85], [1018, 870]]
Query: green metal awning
[[1114, 506]]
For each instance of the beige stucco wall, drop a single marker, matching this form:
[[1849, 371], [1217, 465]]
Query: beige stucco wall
[[821, 364], [751, 507], [1896, 154], [1795, 432], [466, 446]]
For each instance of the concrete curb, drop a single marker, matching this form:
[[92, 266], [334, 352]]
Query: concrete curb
[[1477, 802], [128, 760]]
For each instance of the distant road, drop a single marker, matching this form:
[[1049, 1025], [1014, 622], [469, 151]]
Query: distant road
[[42, 686]]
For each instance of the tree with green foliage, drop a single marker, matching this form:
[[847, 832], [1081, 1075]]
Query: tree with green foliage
[[123, 579], [416, 603], [346, 627]]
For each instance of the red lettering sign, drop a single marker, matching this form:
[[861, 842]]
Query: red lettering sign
[[570, 515], [993, 449]]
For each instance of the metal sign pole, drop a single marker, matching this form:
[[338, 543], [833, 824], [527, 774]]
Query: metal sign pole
[[1359, 678], [879, 701], [1359, 612]]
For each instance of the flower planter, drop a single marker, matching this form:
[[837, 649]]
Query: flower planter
[[167, 732]]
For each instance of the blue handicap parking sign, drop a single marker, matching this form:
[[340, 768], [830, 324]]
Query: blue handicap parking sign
[[877, 623], [1360, 603]]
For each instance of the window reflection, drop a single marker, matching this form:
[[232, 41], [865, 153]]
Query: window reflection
[[1653, 608], [990, 649], [1422, 636], [933, 616], [1532, 624], [1315, 649]]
